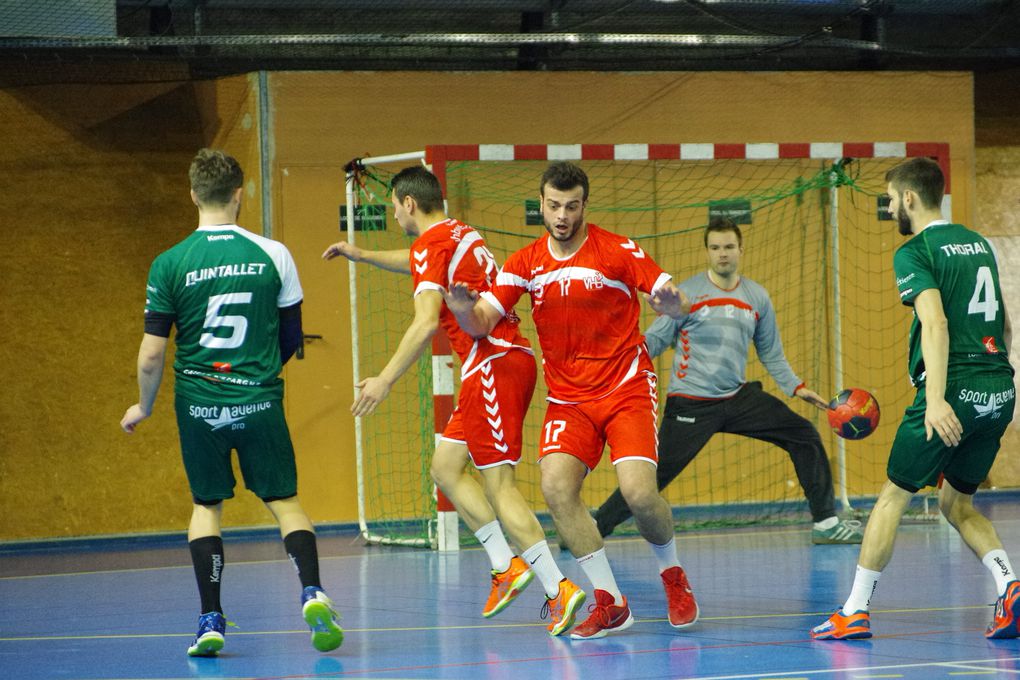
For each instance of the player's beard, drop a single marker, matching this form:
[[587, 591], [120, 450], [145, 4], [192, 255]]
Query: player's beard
[[903, 221], [572, 229]]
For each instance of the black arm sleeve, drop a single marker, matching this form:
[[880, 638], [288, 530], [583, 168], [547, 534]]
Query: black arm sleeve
[[291, 334], [159, 323]]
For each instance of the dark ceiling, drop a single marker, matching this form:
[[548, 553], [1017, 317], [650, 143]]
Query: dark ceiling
[[204, 38]]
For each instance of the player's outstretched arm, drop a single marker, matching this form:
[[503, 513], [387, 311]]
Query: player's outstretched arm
[[151, 354], [372, 391], [669, 300], [939, 417], [812, 398], [476, 316], [391, 260]]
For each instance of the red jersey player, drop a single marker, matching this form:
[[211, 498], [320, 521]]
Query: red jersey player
[[497, 380], [584, 283]]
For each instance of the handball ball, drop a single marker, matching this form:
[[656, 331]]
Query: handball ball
[[853, 414]]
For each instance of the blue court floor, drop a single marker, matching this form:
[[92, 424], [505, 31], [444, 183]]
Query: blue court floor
[[73, 613]]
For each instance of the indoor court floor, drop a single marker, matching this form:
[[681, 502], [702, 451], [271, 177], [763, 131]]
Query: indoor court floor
[[115, 612]]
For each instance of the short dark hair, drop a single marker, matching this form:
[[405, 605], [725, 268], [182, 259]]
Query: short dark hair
[[215, 176], [722, 224], [923, 176], [564, 176], [421, 185]]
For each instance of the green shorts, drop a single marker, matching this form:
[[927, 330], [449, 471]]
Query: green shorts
[[985, 409], [257, 431]]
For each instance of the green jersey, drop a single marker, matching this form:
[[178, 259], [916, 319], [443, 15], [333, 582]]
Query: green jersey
[[959, 263], [224, 286]]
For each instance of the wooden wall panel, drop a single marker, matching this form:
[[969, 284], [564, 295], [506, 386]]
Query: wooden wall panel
[[94, 186]]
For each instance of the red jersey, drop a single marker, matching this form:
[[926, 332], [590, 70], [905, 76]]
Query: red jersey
[[586, 310], [453, 251]]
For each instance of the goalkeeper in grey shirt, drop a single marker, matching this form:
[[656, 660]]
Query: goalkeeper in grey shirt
[[708, 394]]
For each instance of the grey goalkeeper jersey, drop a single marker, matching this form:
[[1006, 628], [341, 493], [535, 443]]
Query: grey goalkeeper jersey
[[712, 341]]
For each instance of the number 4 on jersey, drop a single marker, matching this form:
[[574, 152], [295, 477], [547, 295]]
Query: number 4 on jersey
[[983, 300]]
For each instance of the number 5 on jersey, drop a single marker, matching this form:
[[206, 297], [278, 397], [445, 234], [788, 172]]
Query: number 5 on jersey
[[237, 324]]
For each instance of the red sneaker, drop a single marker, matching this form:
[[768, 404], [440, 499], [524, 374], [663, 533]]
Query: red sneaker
[[606, 616], [683, 610], [856, 626]]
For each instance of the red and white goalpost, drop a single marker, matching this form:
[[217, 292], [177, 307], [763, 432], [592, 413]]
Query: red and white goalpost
[[612, 161]]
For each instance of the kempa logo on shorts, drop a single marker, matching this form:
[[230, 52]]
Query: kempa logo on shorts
[[226, 416], [987, 403]]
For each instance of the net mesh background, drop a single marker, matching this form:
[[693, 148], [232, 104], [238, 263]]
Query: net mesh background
[[664, 206]]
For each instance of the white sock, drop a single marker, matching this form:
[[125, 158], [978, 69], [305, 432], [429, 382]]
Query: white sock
[[827, 523], [997, 562], [865, 582], [596, 568], [665, 555], [541, 561], [492, 539]]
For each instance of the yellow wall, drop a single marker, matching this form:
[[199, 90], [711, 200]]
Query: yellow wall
[[323, 120], [94, 182], [997, 133], [94, 191]]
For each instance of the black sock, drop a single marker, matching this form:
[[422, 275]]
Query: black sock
[[303, 553], [207, 556]]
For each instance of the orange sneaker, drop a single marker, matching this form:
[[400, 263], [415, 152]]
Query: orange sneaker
[[683, 610], [606, 616], [1005, 623], [507, 585], [562, 609], [839, 626]]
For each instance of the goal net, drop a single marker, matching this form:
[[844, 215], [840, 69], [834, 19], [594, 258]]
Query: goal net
[[815, 233]]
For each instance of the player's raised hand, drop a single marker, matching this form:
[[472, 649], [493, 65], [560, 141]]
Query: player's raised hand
[[812, 398], [343, 249], [373, 391], [460, 298], [940, 419], [669, 300]]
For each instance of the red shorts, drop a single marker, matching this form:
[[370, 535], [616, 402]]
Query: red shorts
[[490, 410], [625, 419]]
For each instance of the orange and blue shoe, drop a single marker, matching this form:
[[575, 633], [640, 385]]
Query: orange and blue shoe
[[1005, 623], [562, 609], [606, 617], [840, 626], [507, 585]]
